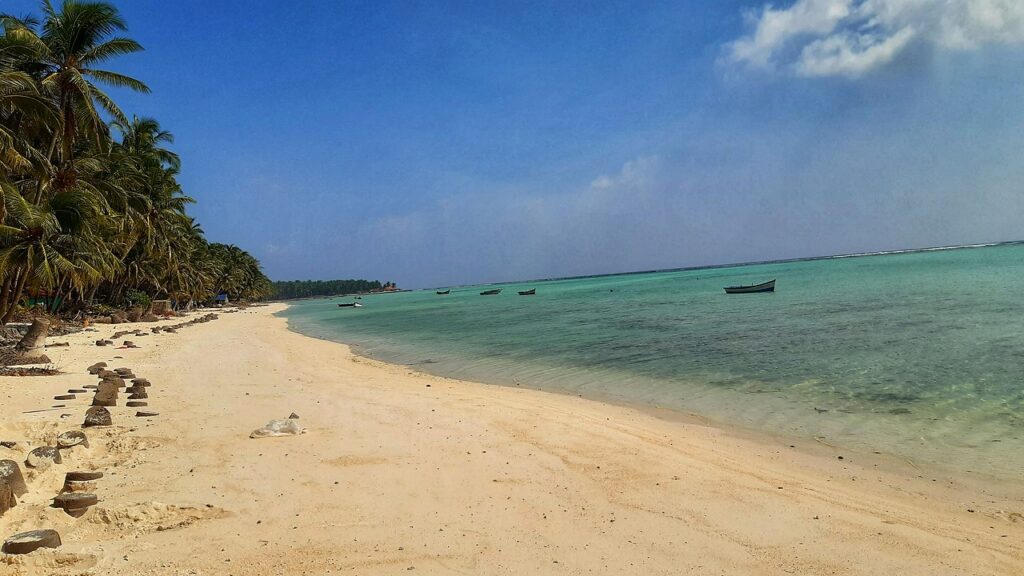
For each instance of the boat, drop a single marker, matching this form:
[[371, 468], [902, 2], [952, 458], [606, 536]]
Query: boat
[[350, 305], [491, 292], [529, 292], [443, 292], [768, 286]]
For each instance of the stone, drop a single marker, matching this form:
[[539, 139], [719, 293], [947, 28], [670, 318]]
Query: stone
[[140, 382], [35, 338], [42, 457], [72, 438], [97, 367], [75, 503], [136, 403], [138, 396], [77, 486], [293, 416], [77, 391], [11, 473], [64, 397], [143, 414], [97, 416], [26, 542], [7, 499], [103, 342], [83, 475]]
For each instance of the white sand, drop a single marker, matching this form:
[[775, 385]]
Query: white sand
[[403, 471]]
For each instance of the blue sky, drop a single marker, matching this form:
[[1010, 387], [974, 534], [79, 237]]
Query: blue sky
[[455, 142]]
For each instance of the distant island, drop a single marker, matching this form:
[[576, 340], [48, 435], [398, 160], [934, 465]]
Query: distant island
[[292, 289]]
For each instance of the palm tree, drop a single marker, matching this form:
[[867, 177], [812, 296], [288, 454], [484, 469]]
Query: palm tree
[[72, 41]]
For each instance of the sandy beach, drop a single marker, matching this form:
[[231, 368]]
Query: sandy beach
[[401, 471]]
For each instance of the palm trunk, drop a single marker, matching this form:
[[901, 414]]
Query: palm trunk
[[12, 307], [5, 292]]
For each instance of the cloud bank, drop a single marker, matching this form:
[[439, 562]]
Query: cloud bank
[[852, 37]]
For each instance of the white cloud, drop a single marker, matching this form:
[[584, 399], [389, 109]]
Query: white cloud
[[852, 37]]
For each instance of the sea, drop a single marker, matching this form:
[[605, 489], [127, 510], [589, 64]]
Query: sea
[[917, 354]]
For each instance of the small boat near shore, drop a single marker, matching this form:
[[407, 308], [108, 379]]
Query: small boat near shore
[[768, 286], [529, 292], [491, 292], [350, 305], [443, 292]]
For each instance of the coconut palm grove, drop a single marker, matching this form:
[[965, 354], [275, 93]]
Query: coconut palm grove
[[91, 209]]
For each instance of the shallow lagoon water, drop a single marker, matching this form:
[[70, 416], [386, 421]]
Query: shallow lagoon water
[[916, 354]]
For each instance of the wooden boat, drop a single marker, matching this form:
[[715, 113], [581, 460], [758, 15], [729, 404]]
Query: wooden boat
[[529, 292], [491, 292], [443, 292], [768, 286], [350, 305]]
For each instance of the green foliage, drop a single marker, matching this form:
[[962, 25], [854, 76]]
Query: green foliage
[[91, 210], [309, 288], [137, 298]]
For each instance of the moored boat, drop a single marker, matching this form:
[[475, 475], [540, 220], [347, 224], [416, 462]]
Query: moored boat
[[350, 305], [491, 292], [443, 292], [529, 292], [768, 286]]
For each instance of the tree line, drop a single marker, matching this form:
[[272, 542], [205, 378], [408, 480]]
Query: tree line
[[90, 206], [309, 288]]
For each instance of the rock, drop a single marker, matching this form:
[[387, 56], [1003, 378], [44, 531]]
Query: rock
[[103, 342], [118, 317], [72, 438], [35, 338], [144, 414], [77, 391], [97, 416], [293, 416], [97, 367], [129, 344], [149, 318], [26, 542], [7, 499], [75, 503], [136, 403], [104, 398], [140, 382], [42, 457], [11, 473], [64, 397], [83, 475], [124, 372], [77, 486], [115, 381], [138, 396], [134, 315]]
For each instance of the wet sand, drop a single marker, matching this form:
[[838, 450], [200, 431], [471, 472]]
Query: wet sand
[[403, 471]]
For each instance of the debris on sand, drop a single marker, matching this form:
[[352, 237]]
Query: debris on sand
[[285, 427]]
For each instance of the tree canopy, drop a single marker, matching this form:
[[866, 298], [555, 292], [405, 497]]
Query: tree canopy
[[90, 205]]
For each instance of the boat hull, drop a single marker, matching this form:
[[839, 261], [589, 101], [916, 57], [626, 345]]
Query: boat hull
[[530, 292], [768, 286], [491, 292]]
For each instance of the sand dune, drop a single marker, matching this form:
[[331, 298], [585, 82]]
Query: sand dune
[[402, 471]]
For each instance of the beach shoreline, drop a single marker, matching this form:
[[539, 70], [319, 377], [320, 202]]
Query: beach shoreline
[[404, 470]]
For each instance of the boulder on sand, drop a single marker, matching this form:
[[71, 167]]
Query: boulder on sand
[[97, 368], [26, 542], [97, 416], [11, 473], [72, 438], [42, 457], [7, 499]]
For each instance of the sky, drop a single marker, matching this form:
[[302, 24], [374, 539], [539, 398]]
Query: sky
[[445, 143]]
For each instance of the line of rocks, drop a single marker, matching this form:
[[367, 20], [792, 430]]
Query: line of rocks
[[77, 494]]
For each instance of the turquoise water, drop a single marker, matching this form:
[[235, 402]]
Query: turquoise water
[[915, 354]]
